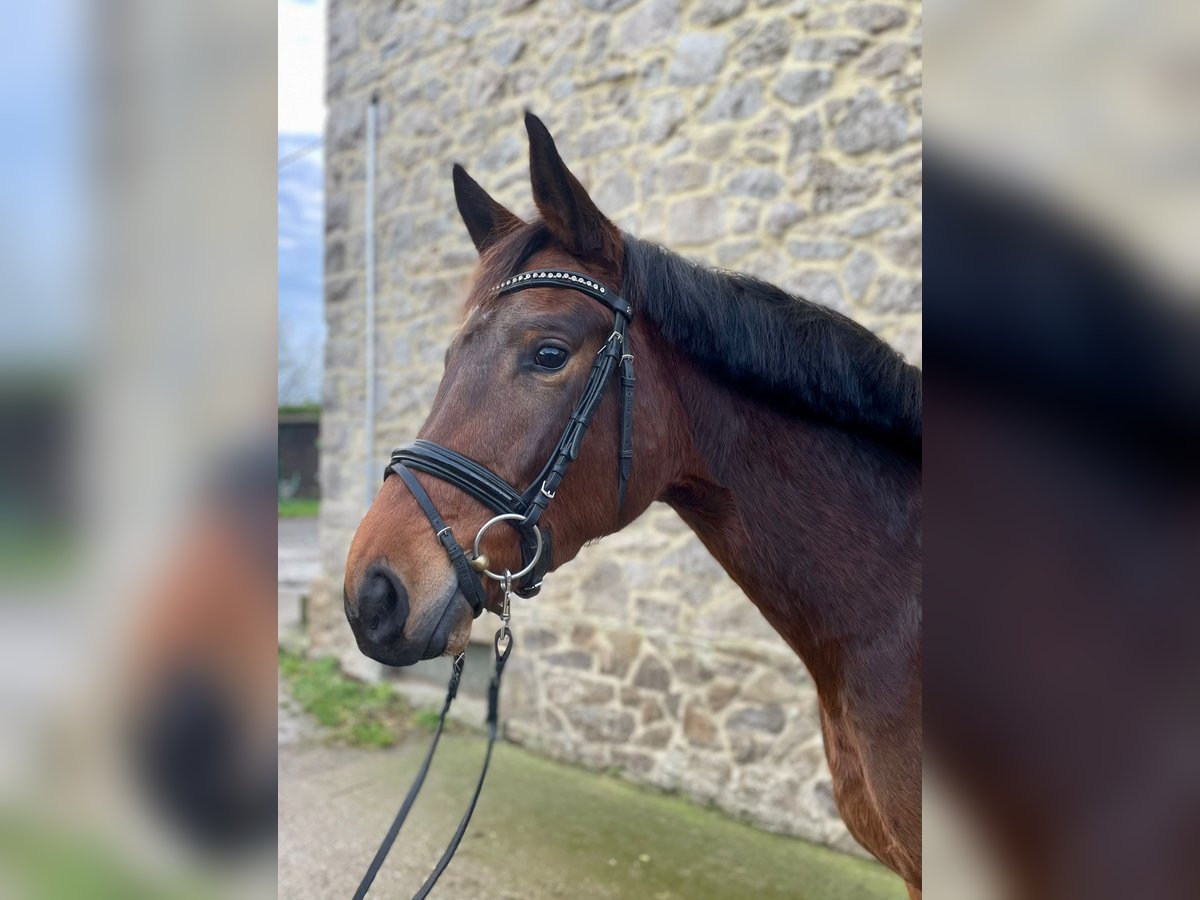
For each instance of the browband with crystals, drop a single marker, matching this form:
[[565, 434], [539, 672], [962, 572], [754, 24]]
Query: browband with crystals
[[525, 508], [562, 278]]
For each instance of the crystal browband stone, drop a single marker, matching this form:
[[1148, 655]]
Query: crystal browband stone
[[561, 276]]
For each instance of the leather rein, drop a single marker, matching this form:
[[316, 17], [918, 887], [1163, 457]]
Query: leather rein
[[522, 511]]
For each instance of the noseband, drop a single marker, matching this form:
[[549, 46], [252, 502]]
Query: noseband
[[523, 510]]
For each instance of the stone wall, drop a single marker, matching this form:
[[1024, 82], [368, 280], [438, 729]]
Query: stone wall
[[778, 138]]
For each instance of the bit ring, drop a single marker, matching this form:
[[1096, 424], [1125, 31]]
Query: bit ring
[[537, 553]]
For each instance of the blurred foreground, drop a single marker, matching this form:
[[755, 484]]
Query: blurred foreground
[[137, 404], [1062, 451]]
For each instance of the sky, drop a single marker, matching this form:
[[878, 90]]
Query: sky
[[42, 218], [301, 198]]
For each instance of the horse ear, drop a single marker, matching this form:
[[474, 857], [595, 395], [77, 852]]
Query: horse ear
[[568, 210], [484, 217]]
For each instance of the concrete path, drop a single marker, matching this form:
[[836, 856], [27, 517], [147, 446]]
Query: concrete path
[[542, 830]]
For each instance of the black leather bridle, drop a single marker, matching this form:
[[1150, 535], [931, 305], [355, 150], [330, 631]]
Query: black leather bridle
[[521, 510]]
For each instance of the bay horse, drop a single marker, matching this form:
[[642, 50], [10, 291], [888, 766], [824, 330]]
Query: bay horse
[[785, 435]]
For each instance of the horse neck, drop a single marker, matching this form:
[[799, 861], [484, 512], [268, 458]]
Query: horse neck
[[819, 527]]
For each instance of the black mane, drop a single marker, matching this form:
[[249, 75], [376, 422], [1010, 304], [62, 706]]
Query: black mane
[[800, 357]]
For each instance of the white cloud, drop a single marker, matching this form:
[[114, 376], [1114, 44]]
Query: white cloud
[[302, 66], [301, 204]]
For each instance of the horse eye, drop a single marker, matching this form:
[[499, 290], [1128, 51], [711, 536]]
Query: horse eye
[[550, 357]]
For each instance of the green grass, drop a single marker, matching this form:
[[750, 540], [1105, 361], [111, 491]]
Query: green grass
[[299, 508], [293, 409], [426, 720], [356, 713], [371, 734]]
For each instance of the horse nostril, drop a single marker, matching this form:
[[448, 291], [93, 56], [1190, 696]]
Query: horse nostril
[[382, 605], [377, 598]]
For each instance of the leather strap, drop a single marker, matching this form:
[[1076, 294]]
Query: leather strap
[[493, 719], [626, 457], [490, 490], [468, 580], [463, 472], [493, 726], [576, 281], [542, 491], [414, 788]]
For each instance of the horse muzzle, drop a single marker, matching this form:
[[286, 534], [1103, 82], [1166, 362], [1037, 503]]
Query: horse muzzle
[[386, 628]]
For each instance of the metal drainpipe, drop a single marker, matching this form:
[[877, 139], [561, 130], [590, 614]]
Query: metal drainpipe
[[372, 475]]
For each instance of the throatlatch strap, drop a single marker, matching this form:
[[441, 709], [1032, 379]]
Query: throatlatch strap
[[467, 579], [626, 458]]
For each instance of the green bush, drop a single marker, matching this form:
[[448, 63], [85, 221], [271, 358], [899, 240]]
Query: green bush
[[356, 713]]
